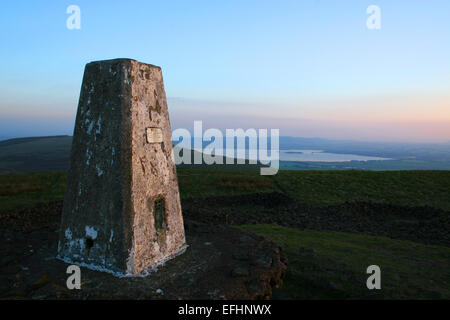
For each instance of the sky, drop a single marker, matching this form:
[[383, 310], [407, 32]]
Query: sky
[[309, 68]]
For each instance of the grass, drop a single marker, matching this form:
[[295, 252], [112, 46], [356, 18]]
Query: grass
[[322, 264], [332, 265], [205, 182], [414, 188], [26, 190]]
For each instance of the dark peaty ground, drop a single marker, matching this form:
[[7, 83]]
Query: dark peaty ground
[[220, 263], [419, 224]]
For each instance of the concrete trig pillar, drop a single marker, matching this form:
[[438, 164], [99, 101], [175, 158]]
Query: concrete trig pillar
[[122, 211]]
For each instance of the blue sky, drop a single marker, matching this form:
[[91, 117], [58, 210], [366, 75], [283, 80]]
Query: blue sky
[[309, 68]]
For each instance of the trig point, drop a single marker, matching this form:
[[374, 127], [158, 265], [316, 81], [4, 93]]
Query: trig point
[[122, 211]]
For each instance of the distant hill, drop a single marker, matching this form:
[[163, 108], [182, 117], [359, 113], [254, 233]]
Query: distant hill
[[35, 154], [397, 150], [53, 154]]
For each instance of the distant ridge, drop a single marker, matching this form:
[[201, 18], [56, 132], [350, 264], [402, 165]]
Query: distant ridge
[[52, 153], [12, 141], [33, 154]]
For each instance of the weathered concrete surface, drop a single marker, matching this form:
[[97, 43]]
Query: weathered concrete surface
[[121, 166]]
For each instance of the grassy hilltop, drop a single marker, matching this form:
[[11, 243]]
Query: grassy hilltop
[[323, 264], [412, 188]]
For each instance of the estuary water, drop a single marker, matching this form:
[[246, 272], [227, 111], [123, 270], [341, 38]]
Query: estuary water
[[320, 156], [300, 155]]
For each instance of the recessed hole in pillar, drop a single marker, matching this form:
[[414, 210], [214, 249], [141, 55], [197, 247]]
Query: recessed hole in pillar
[[159, 214], [89, 243]]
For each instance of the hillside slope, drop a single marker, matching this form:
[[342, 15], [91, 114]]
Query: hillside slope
[[35, 154]]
